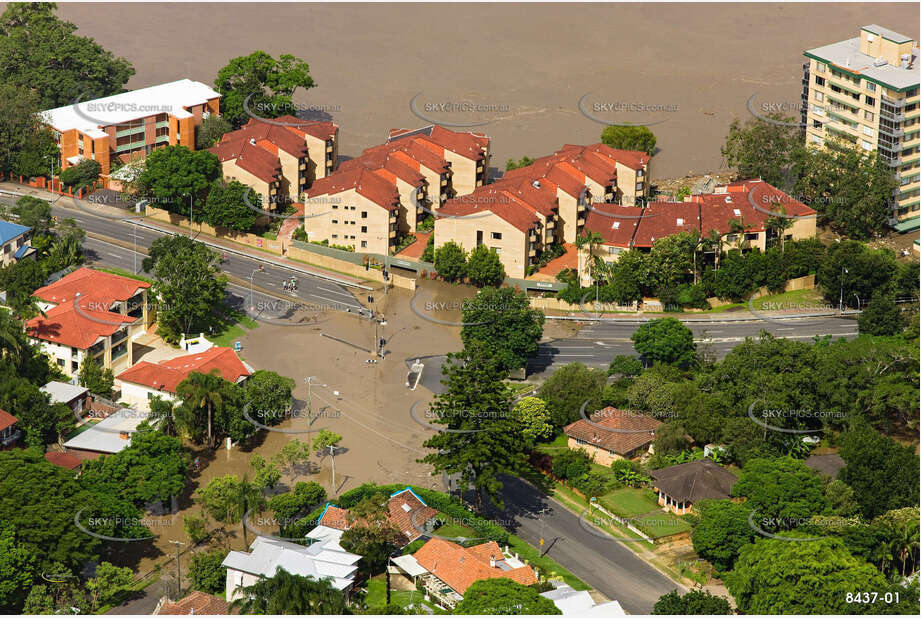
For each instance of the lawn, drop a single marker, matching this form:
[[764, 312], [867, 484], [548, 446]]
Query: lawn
[[85, 426], [232, 325], [520, 389], [810, 299], [661, 524], [556, 446], [377, 594], [453, 530], [629, 502]]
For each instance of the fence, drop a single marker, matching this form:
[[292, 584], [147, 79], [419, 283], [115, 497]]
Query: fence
[[55, 186]]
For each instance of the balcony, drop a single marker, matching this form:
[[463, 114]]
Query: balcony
[[532, 236], [444, 182], [551, 224], [900, 103], [894, 117], [532, 252], [10, 439], [303, 165], [393, 234], [329, 147], [581, 207], [580, 221], [420, 195]]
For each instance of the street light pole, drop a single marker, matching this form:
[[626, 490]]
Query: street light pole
[[52, 157], [178, 570], [252, 305], [841, 290]]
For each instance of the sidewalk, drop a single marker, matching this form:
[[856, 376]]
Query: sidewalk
[[223, 244]]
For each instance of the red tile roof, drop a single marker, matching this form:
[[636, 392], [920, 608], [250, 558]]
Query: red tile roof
[[63, 460], [363, 181], [318, 129], [7, 420], [66, 325], [616, 224], [93, 285], [256, 160], [168, 374], [407, 513], [196, 603], [470, 145], [661, 219], [459, 567], [628, 430], [270, 137], [634, 159], [334, 517]]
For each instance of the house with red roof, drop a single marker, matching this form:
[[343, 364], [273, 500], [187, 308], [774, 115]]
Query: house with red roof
[[738, 214], [611, 434], [9, 434], [446, 569], [255, 164], [146, 380], [466, 151], [406, 511], [89, 313]]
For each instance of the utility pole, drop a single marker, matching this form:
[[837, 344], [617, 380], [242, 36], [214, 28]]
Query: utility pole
[[841, 290], [178, 570], [332, 458], [52, 157], [540, 550]]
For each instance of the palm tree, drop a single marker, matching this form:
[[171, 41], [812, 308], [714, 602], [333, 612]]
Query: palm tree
[[201, 390], [246, 497], [589, 241], [288, 594], [163, 414], [779, 224]]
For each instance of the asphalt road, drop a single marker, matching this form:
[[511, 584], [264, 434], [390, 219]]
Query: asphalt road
[[598, 343], [598, 560]]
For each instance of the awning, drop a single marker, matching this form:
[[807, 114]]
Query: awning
[[908, 225], [409, 565]]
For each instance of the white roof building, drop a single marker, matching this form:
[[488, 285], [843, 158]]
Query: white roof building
[[62, 392], [324, 559], [110, 435], [89, 116], [579, 602]]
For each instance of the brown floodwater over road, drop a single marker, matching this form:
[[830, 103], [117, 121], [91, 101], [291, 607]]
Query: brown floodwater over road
[[690, 68]]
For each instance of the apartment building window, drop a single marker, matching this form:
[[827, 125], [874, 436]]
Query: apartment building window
[[73, 366], [364, 244], [60, 362], [335, 220], [364, 214], [866, 145], [816, 124], [751, 237], [364, 229], [819, 96], [819, 81], [869, 115], [819, 67], [871, 86], [639, 173], [869, 100], [639, 186], [497, 235], [335, 235], [868, 131]]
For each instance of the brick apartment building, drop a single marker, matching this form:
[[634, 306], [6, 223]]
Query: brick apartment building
[[129, 125]]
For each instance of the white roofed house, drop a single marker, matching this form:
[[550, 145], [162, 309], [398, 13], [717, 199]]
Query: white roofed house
[[324, 559]]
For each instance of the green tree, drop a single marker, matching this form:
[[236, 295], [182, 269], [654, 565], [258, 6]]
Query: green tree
[[174, 173], [672, 259], [484, 267], [665, 340], [568, 388], [200, 392], [499, 596], [627, 366], [512, 164], [629, 138], [23, 141], [764, 148], [187, 283], [292, 454], [693, 603], [882, 473], [326, 440], [268, 395], [261, 83], [723, 530], [206, 572], [285, 593], [100, 381], [210, 131], [880, 317], [503, 318], [371, 534], [671, 438], [17, 571], [781, 491], [33, 40], [534, 416], [841, 498], [850, 188], [852, 270], [196, 527], [479, 440], [265, 474], [227, 500], [812, 577], [589, 242], [226, 206], [108, 582], [82, 174], [306, 496], [450, 261]]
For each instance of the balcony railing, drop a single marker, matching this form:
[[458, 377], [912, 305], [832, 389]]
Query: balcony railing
[[893, 102], [11, 439]]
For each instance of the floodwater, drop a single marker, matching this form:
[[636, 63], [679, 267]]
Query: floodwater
[[526, 67]]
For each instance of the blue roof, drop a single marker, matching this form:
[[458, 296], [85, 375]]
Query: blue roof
[[9, 231], [410, 490], [21, 251]]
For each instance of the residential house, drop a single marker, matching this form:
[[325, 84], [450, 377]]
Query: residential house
[[683, 485], [195, 603], [356, 208], [447, 569], [738, 215], [130, 125], [89, 313], [407, 512], [110, 435], [9, 433], [73, 396], [612, 434], [467, 152], [863, 92], [580, 602], [320, 560], [68, 461], [147, 380], [14, 242], [826, 465]]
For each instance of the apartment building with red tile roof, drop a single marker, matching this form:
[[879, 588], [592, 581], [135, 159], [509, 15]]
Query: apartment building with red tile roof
[[468, 152], [89, 313], [403, 172], [449, 564], [738, 213], [145, 380], [256, 165], [322, 139], [612, 434]]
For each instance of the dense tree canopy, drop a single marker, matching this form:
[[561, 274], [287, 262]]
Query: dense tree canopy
[[503, 596], [568, 388], [665, 340], [261, 83], [723, 530], [882, 473], [693, 603], [504, 319], [174, 173], [629, 138], [226, 206], [484, 267], [450, 261]]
